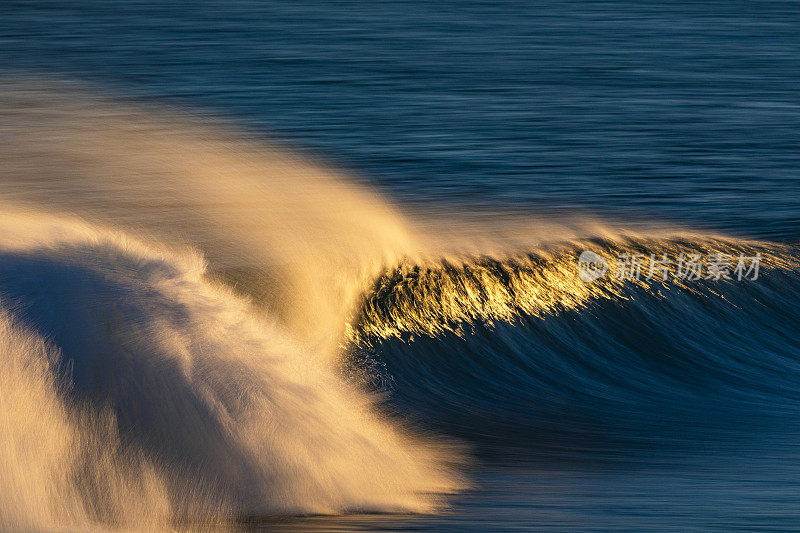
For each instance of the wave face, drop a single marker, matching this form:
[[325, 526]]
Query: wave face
[[520, 352], [193, 325]]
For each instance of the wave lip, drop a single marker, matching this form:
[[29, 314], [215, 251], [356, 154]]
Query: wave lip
[[432, 298]]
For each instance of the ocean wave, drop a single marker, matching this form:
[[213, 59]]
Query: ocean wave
[[519, 351], [191, 320]]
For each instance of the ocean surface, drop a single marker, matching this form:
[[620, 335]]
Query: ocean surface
[[314, 266]]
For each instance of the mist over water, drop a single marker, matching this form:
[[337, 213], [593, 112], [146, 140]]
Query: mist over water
[[163, 394]]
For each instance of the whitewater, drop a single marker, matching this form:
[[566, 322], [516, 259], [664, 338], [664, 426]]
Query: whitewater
[[139, 390], [184, 309]]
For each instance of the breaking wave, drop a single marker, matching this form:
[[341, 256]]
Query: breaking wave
[[194, 326], [137, 392], [141, 384]]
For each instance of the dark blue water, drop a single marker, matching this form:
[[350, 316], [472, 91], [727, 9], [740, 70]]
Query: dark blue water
[[614, 417], [678, 111]]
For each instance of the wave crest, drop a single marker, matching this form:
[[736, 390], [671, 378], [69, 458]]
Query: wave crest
[[433, 298]]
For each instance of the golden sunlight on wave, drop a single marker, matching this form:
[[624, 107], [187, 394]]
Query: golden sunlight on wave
[[435, 298]]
